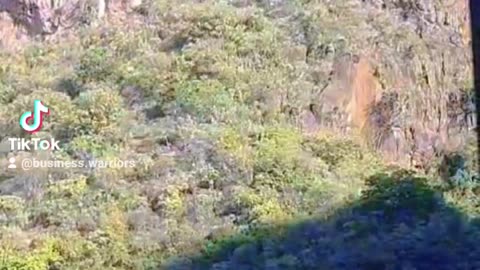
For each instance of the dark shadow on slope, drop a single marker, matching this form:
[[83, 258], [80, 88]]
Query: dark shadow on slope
[[399, 223]]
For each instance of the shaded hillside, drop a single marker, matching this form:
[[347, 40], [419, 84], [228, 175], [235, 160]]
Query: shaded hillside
[[400, 223], [240, 115]]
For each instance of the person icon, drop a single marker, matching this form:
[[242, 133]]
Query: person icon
[[12, 164]]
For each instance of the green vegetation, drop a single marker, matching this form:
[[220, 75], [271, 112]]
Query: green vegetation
[[225, 178]]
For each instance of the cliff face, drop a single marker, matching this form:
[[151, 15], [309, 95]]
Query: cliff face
[[356, 51], [418, 49]]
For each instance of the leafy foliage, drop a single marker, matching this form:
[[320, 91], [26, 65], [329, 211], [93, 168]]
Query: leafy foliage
[[206, 97]]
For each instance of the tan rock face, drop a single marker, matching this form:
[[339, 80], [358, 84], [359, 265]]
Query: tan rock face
[[7, 31], [353, 89], [365, 92], [460, 10]]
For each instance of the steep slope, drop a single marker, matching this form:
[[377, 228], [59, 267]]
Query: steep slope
[[243, 117]]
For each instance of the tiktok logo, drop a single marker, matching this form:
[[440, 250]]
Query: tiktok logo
[[39, 110]]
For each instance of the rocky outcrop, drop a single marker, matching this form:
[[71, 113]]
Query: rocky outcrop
[[424, 56], [352, 89], [366, 90], [39, 17]]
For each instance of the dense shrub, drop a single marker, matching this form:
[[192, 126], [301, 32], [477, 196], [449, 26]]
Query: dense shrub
[[101, 110]]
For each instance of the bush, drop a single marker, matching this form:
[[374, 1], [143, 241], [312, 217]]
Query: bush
[[208, 99], [278, 147], [12, 210], [95, 145], [95, 65], [102, 110], [398, 193], [44, 256], [7, 94], [234, 142]]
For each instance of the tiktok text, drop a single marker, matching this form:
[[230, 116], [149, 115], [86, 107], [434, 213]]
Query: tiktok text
[[22, 144]]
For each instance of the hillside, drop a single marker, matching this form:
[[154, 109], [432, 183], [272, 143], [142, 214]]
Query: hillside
[[267, 134]]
